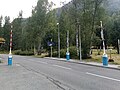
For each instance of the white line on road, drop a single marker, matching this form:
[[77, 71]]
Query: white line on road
[[113, 79], [38, 61], [42, 62], [17, 64], [62, 67]]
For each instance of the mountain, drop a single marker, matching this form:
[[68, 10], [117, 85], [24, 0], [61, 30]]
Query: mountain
[[112, 5]]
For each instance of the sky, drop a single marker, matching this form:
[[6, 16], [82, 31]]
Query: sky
[[12, 7]]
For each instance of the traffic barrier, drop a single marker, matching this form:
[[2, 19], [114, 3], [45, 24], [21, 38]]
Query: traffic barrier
[[67, 56], [105, 60], [10, 60]]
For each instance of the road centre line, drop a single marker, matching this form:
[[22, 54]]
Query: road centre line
[[100, 76], [62, 67]]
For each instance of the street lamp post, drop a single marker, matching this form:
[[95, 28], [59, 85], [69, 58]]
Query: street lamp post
[[58, 41]]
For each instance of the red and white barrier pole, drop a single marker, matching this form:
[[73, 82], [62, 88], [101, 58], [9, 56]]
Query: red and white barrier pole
[[10, 54], [11, 39]]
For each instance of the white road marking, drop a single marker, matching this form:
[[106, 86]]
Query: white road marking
[[17, 64], [38, 61], [62, 67], [113, 79], [42, 62]]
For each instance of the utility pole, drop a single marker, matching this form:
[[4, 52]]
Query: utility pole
[[58, 41]]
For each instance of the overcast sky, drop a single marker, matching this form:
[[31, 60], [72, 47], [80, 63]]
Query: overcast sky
[[12, 7]]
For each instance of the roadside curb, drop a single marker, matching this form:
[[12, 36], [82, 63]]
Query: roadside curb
[[85, 63]]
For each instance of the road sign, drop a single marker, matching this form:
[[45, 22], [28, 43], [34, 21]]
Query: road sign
[[49, 43]]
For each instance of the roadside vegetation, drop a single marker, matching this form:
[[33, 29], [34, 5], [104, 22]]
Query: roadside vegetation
[[97, 56], [0, 61]]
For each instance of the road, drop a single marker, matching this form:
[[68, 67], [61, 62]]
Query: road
[[71, 76]]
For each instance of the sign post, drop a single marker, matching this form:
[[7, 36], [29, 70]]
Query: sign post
[[51, 47]]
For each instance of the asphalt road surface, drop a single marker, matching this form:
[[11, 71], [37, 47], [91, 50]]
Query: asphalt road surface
[[70, 76]]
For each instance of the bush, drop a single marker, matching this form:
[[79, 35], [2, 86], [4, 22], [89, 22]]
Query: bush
[[55, 54], [63, 53], [27, 53], [17, 52], [86, 56], [73, 52]]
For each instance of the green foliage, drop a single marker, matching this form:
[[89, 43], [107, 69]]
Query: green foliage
[[55, 54], [17, 52], [25, 53], [63, 53], [1, 30], [0, 61], [6, 33], [17, 33], [73, 53]]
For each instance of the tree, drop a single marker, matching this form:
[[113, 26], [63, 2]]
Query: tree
[[6, 32], [51, 32], [37, 24], [17, 31], [1, 30], [88, 13], [114, 29]]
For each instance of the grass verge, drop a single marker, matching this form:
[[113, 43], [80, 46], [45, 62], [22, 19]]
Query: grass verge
[[98, 58]]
